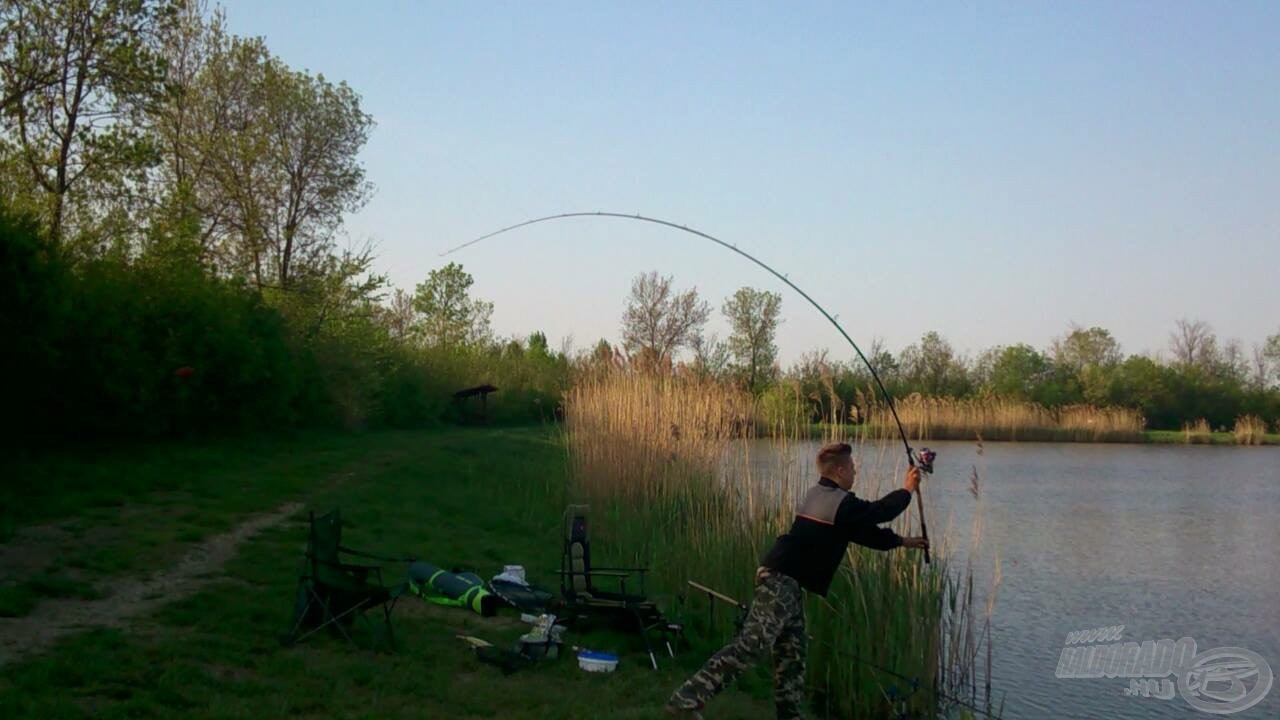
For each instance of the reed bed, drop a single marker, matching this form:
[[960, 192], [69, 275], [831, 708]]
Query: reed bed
[[995, 418], [1197, 432], [1249, 430], [658, 459]]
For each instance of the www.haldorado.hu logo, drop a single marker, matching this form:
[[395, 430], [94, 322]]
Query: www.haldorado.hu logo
[[1220, 681]]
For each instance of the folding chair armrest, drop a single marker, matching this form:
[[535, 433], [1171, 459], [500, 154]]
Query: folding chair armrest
[[349, 566], [374, 556], [624, 570], [357, 566]]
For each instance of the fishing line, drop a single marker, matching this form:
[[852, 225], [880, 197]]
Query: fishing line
[[926, 459]]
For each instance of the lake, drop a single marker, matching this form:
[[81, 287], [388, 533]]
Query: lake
[[1169, 541]]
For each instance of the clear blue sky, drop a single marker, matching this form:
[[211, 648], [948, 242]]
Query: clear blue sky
[[994, 172]]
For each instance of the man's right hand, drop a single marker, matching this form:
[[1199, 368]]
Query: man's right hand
[[913, 480], [916, 543]]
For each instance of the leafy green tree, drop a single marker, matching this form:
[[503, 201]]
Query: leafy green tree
[[754, 316], [1083, 348], [450, 317], [1090, 354], [932, 367], [538, 346], [268, 155], [78, 76], [601, 354], [659, 320], [1018, 371], [711, 357], [1142, 383], [400, 318]]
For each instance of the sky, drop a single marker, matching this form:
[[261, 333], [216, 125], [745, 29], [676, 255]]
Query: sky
[[994, 172]]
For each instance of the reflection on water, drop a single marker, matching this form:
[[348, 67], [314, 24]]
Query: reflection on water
[[1169, 541]]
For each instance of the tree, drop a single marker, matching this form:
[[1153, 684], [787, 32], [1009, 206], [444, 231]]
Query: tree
[[1083, 349], [1259, 368], [341, 291], [753, 316], [186, 45], [1193, 343], [1269, 361], [658, 320], [1091, 355], [710, 357], [25, 67], [450, 318], [816, 376], [267, 156], [601, 356], [1018, 371], [1142, 383], [316, 132], [400, 318], [78, 76], [1232, 362], [933, 368]]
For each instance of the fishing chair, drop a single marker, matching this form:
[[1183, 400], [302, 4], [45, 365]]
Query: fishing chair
[[333, 593], [582, 600]]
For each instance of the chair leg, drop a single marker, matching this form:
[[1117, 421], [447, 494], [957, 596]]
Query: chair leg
[[331, 620], [301, 608], [386, 622], [644, 633]]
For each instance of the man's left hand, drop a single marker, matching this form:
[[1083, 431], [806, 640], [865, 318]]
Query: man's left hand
[[916, 543]]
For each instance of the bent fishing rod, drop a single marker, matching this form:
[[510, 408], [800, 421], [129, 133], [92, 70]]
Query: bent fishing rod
[[923, 460]]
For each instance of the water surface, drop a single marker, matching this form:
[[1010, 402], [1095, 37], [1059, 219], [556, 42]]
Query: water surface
[[1167, 540]]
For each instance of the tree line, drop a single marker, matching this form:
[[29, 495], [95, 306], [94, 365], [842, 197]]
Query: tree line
[[1200, 377], [172, 254], [172, 199]]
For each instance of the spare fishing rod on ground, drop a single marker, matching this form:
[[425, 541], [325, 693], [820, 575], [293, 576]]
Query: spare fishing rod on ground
[[925, 458]]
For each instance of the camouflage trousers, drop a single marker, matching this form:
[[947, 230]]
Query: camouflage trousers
[[776, 621]]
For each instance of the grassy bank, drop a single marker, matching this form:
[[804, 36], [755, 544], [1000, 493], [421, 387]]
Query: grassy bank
[[1179, 437], [477, 498]]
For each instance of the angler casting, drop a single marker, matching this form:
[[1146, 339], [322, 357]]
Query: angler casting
[[807, 557]]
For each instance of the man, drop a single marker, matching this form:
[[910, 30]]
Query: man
[[828, 519]]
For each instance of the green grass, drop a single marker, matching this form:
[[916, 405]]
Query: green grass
[[134, 509], [19, 598], [1178, 437], [471, 498]]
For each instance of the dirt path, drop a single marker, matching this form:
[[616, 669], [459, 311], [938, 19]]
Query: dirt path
[[131, 597]]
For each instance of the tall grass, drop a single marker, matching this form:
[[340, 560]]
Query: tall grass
[[1197, 432], [1249, 430], [658, 460], [995, 418]]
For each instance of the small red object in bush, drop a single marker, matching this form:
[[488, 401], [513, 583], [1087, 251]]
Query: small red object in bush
[[185, 371]]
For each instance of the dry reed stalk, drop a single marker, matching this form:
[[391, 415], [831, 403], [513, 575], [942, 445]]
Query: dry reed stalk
[[1249, 430], [1197, 432], [660, 457], [997, 418]]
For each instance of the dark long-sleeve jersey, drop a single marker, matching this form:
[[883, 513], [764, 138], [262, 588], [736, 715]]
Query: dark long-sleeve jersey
[[828, 519]]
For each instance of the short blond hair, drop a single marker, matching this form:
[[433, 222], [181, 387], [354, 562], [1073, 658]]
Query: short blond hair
[[834, 455]]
